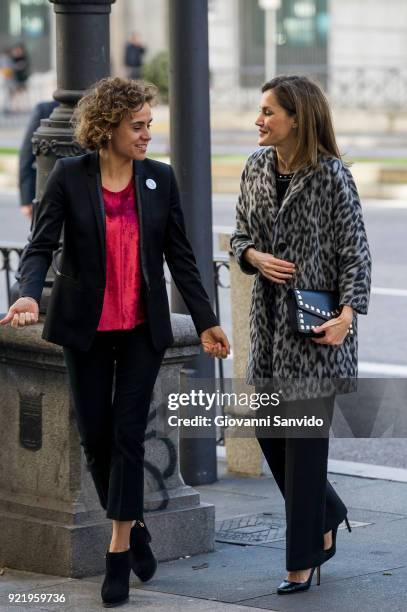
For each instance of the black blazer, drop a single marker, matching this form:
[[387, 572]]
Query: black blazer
[[73, 200]]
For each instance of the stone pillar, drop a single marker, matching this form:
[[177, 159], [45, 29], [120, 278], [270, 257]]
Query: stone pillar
[[243, 454], [50, 517], [270, 8]]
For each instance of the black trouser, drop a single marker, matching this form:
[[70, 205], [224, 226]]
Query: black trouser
[[299, 466], [112, 384]]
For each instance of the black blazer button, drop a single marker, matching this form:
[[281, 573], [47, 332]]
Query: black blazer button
[[282, 246]]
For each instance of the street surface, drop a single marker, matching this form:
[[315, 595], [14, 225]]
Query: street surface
[[382, 334]]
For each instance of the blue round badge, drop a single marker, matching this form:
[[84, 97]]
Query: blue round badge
[[151, 184]]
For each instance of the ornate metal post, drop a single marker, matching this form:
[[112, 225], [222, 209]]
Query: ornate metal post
[[83, 57]]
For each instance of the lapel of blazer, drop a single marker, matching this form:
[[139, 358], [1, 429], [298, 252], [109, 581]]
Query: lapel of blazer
[[142, 204], [96, 196], [142, 194]]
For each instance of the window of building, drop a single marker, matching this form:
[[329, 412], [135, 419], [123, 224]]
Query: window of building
[[252, 41], [302, 31], [301, 40]]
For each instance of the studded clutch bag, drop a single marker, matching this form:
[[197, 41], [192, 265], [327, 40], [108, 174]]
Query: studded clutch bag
[[309, 309]]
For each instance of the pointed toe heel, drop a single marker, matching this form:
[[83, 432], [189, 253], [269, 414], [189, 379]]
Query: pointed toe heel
[[289, 586], [142, 559], [115, 587]]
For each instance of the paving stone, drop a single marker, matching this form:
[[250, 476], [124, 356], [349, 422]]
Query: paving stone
[[14, 581], [367, 593], [240, 578], [382, 495], [229, 574], [241, 504], [84, 596]]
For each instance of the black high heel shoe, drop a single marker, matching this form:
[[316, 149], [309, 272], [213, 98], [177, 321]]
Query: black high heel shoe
[[329, 553], [289, 586], [142, 559], [115, 587]]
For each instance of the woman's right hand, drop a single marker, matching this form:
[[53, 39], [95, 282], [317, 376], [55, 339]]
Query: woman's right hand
[[23, 312], [276, 270]]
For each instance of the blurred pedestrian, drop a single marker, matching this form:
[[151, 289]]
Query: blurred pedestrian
[[20, 66], [27, 162], [6, 80], [133, 56]]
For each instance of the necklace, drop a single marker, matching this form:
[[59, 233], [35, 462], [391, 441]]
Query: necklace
[[285, 177]]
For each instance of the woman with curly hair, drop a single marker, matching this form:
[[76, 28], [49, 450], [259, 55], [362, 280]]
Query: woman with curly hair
[[109, 309]]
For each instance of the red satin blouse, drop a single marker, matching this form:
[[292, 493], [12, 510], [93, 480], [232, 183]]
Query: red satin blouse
[[122, 304]]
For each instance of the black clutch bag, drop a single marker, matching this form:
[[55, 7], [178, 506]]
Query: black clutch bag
[[309, 309]]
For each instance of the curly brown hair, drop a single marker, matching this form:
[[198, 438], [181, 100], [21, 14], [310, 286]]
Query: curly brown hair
[[105, 105]]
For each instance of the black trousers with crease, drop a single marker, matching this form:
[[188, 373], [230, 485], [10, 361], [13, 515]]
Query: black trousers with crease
[[112, 385], [299, 466]]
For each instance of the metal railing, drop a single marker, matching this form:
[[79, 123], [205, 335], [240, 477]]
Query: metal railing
[[348, 87], [9, 261], [16, 106], [10, 254]]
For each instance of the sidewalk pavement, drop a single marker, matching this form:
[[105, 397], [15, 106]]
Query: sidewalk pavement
[[367, 574]]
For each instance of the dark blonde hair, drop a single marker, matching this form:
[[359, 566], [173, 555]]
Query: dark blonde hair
[[105, 105], [300, 96]]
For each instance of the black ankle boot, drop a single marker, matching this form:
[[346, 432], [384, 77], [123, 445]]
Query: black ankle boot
[[142, 559], [115, 587]]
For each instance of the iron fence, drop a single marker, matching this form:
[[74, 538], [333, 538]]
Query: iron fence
[[9, 261], [10, 254], [381, 88], [348, 87]]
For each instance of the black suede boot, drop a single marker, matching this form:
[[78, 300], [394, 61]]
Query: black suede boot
[[142, 559], [115, 587]]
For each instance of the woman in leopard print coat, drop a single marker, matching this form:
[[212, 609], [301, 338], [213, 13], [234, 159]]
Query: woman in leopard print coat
[[303, 229]]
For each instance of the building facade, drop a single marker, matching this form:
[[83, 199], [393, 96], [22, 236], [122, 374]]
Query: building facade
[[357, 50]]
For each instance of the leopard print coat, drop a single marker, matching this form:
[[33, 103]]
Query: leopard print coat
[[320, 227]]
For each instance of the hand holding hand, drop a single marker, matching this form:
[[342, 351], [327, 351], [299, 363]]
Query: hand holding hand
[[215, 342], [23, 312]]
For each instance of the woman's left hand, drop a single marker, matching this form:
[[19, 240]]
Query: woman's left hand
[[215, 342], [335, 329]]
